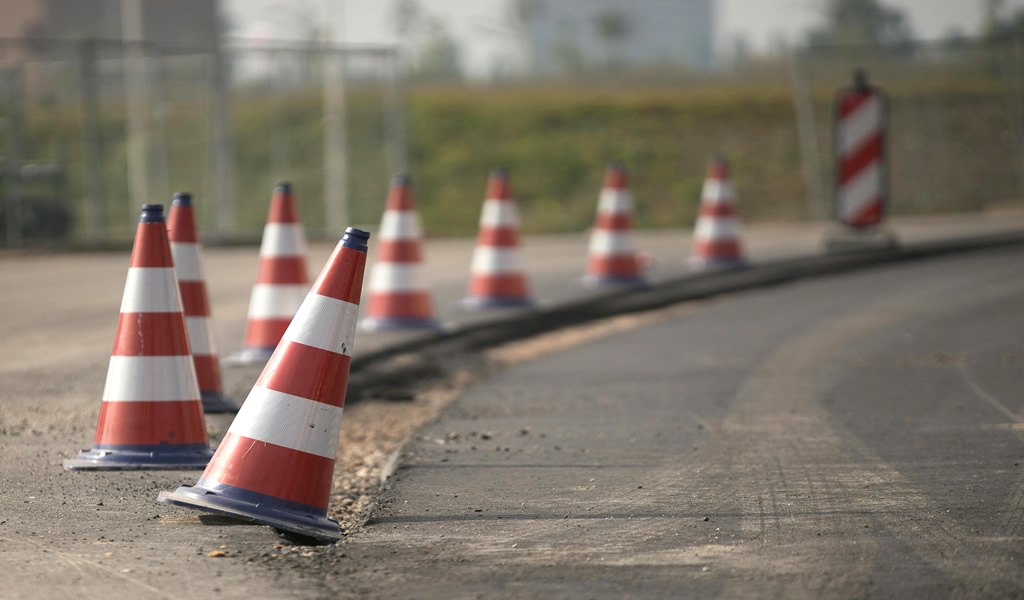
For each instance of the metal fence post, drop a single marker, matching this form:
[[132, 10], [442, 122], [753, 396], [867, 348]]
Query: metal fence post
[[12, 164], [222, 185], [394, 113], [160, 144], [280, 133], [1018, 104], [807, 133], [335, 147], [92, 138], [134, 57], [1007, 54]]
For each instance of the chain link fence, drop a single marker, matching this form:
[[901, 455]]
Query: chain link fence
[[89, 130]]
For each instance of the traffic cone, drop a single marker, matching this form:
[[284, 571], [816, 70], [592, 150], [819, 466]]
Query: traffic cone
[[276, 463], [186, 248], [496, 275], [282, 281], [151, 416], [716, 237], [398, 296], [613, 258]]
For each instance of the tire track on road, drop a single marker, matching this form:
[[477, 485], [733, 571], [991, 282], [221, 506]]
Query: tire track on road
[[77, 561], [773, 409]]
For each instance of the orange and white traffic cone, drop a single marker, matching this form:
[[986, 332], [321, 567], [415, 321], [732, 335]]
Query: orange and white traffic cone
[[282, 281], [398, 295], [716, 237], [613, 257], [496, 276], [276, 463], [186, 248], [151, 416]]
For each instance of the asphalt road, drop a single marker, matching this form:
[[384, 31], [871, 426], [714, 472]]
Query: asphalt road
[[861, 407], [853, 436], [61, 309]]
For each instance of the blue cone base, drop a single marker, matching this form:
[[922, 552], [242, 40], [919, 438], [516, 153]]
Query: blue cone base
[[480, 302], [216, 402], [126, 458], [251, 356], [697, 262], [609, 280], [267, 513], [370, 324]]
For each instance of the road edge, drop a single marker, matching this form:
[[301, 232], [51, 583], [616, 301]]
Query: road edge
[[694, 286]]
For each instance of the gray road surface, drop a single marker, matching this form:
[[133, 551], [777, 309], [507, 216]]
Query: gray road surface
[[861, 408], [856, 436]]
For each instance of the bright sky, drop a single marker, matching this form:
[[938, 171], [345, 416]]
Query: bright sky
[[476, 24], [761, 20]]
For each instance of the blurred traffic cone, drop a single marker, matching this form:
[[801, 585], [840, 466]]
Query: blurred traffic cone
[[276, 463], [151, 416], [398, 296], [186, 248], [282, 282], [496, 276], [716, 238], [613, 258]]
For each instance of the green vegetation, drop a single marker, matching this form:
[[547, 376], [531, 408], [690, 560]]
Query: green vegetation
[[955, 146], [555, 142]]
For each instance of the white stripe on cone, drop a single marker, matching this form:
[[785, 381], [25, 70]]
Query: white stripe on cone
[[717, 189], [150, 289], [186, 261], [400, 225], [857, 127], [717, 228], [150, 379], [499, 213], [290, 421], [283, 239], [862, 189], [325, 323], [200, 341], [276, 301], [615, 201], [396, 277], [489, 260], [605, 241]]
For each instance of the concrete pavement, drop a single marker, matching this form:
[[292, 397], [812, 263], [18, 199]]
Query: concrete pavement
[[855, 436], [75, 535], [64, 305]]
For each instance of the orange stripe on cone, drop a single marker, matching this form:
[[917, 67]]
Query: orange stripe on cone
[[151, 416], [276, 463], [613, 259], [187, 249], [716, 238], [497, 276], [282, 280], [398, 297]]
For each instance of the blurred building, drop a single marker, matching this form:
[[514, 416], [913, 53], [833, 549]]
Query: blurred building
[[571, 35], [179, 22]]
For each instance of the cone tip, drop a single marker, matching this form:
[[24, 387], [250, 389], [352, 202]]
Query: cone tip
[[860, 79], [615, 175], [152, 213], [283, 187], [355, 239], [182, 199]]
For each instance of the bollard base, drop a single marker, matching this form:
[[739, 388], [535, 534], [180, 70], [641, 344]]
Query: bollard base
[[249, 506]]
